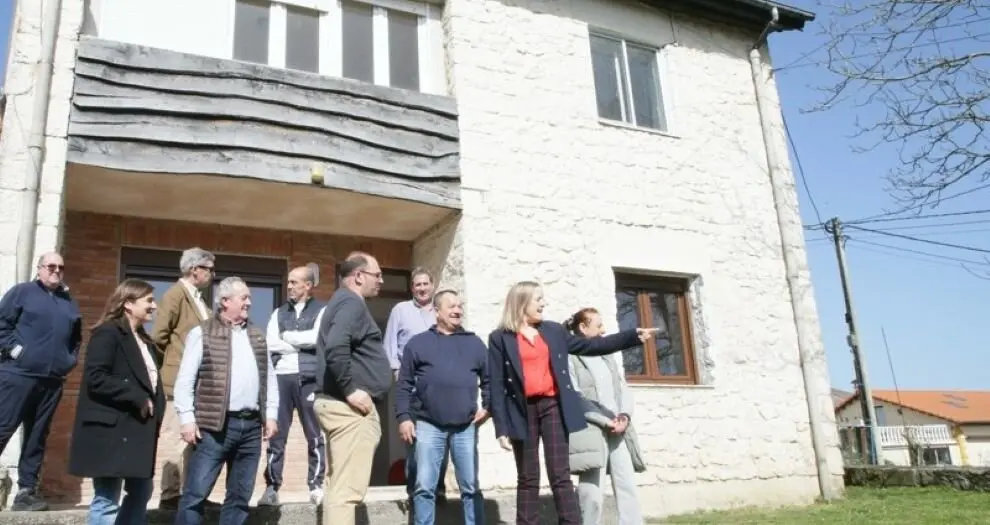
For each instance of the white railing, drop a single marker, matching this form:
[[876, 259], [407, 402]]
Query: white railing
[[901, 436]]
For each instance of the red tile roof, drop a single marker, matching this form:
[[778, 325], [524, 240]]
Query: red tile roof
[[957, 406]]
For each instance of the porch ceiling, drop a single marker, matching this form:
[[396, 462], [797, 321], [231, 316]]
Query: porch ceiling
[[246, 202]]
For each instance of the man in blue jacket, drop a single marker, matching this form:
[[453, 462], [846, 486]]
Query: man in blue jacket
[[40, 333], [436, 405]]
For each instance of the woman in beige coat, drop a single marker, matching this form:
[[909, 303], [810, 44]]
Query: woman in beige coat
[[608, 445]]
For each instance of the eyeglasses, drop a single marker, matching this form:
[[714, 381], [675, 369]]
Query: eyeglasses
[[207, 268], [375, 275], [54, 267]]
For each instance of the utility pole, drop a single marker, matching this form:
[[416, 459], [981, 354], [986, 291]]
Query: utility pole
[[862, 384]]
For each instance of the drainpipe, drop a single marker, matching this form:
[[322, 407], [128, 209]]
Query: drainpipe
[[51, 11], [790, 236]]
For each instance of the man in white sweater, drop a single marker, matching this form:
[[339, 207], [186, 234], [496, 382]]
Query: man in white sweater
[[291, 337]]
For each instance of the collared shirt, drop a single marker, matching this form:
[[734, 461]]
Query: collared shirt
[[197, 297], [289, 343], [244, 386], [406, 320]]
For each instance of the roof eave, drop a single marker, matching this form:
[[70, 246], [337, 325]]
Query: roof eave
[[749, 13]]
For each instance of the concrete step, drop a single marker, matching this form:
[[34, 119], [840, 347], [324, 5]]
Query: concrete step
[[499, 509]]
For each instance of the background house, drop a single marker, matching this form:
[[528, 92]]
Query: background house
[[613, 150], [947, 427]]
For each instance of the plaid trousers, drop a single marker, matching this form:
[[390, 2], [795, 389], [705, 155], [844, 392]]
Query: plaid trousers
[[544, 421]]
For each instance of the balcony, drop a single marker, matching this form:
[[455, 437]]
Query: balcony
[[919, 435], [228, 142]]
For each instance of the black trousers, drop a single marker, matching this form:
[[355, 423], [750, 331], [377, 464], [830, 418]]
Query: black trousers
[[297, 395], [29, 401]]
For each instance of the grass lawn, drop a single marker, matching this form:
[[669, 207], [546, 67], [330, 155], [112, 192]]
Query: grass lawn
[[893, 506]]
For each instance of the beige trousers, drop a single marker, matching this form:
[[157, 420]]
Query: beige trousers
[[173, 453], [351, 442]]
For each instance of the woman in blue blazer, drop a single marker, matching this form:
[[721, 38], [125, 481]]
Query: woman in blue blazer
[[533, 398]]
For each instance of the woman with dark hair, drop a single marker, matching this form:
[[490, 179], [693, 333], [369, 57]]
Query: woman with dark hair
[[119, 412], [532, 398], [608, 445]]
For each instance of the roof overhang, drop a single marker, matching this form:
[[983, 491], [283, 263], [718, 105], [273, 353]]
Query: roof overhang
[[748, 13]]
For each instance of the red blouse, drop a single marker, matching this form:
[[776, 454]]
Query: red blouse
[[535, 356]]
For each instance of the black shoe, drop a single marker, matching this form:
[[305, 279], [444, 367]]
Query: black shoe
[[169, 504], [27, 501]]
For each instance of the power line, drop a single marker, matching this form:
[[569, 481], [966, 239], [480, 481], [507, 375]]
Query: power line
[[857, 241], [911, 218], [800, 167], [916, 239], [922, 205], [938, 225]]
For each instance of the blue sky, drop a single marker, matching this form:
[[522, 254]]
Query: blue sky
[[929, 305]]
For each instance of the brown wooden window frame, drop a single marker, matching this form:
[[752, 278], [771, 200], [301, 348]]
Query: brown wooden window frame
[[680, 288]]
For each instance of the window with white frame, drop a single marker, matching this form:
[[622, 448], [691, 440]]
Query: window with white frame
[[627, 81], [385, 42]]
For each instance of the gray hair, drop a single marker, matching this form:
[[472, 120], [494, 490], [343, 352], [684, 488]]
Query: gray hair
[[440, 295], [226, 289], [193, 258]]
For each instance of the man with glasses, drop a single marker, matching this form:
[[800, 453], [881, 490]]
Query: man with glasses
[[180, 310], [353, 375], [40, 333]]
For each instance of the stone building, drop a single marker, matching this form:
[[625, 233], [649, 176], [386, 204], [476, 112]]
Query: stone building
[[616, 151]]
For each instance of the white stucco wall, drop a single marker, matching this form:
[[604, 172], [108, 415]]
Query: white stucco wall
[[589, 198]]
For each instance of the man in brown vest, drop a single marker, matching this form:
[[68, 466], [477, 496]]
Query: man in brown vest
[[226, 396], [181, 309]]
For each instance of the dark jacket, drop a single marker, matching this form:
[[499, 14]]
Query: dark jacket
[[289, 320], [350, 349], [46, 325], [508, 397], [442, 373], [110, 438]]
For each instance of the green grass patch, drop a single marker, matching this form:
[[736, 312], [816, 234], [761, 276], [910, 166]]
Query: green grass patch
[[892, 506]]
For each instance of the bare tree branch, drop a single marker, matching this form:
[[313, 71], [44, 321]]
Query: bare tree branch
[[920, 72]]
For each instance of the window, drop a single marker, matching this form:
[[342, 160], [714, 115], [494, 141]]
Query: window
[[662, 303], [931, 456], [627, 82], [160, 268], [881, 415], [385, 42]]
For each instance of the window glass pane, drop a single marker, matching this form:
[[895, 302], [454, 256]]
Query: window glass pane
[[397, 283], [358, 41], [403, 50], [251, 31], [628, 317], [609, 71], [644, 77], [669, 340], [264, 301], [302, 39]]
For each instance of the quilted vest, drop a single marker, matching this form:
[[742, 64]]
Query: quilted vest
[[213, 381]]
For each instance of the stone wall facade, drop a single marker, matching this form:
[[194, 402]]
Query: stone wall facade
[[554, 194]]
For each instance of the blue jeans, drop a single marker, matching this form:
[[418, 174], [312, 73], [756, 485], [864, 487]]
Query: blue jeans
[[432, 444], [238, 446], [105, 509], [411, 472]]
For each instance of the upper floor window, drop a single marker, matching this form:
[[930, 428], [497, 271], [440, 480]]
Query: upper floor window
[[627, 82], [657, 302], [385, 42]]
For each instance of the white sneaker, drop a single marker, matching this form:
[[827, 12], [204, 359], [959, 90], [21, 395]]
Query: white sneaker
[[316, 496]]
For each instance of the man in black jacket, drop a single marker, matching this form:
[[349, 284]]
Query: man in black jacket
[[437, 407], [353, 375]]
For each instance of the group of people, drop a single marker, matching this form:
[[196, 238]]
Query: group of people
[[224, 386]]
